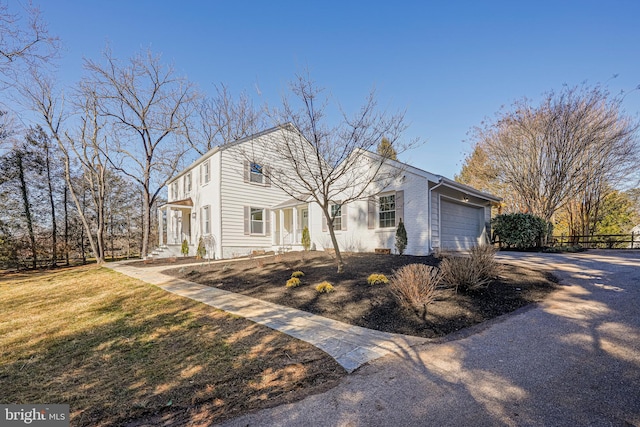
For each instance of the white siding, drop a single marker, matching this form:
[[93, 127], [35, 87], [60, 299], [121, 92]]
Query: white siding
[[435, 220], [359, 237], [236, 194]]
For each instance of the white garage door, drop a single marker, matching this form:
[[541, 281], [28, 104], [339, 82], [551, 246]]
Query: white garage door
[[461, 225]]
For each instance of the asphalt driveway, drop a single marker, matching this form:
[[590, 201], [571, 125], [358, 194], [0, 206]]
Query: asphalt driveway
[[572, 360]]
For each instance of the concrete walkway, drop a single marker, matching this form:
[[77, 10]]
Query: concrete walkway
[[351, 346], [573, 360]]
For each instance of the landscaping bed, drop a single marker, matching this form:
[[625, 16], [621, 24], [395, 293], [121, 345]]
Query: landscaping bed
[[356, 302]]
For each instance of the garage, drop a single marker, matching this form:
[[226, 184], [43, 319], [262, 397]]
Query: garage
[[461, 225]]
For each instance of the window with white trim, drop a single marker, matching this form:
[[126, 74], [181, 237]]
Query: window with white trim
[[174, 191], [257, 221], [187, 184], [204, 170], [336, 214], [256, 173], [206, 220], [387, 211]]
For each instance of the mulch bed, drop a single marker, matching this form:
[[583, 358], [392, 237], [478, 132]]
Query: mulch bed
[[358, 303]]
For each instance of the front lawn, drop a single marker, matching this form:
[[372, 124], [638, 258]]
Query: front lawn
[[356, 302], [118, 350]]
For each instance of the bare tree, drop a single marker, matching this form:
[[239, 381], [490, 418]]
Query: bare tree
[[573, 144], [333, 165], [25, 41], [222, 119], [147, 106], [84, 144]]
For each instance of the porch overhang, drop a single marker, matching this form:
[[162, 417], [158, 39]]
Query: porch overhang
[[293, 202], [179, 204]]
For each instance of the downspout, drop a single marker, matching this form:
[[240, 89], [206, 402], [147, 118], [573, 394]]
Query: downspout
[[218, 254], [440, 182]]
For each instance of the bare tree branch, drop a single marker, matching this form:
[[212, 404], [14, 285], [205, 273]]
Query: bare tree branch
[[327, 164]]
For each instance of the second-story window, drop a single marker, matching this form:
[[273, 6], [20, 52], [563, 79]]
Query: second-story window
[[256, 173], [174, 191], [204, 169], [187, 184]]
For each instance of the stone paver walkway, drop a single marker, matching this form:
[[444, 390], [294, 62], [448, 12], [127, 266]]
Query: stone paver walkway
[[351, 346]]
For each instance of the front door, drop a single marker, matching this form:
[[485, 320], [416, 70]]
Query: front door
[[305, 219]]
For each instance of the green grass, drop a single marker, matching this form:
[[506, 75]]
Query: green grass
[[116, 349]]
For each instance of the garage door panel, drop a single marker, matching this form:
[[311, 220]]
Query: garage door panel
[[461, 225]]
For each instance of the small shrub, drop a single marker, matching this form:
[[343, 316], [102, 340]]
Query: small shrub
[[470, 272], [414, 285], [306, 239], [401, 238], [377, 279], [185, 248], [324, 287], [293, 282], [201, 252], [297, 274]]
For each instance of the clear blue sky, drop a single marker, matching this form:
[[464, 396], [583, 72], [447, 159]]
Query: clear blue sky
[[451, 64]]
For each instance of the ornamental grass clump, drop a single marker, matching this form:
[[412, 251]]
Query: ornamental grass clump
[[377, 279], [293, 282], [324, 288], [297, 274], [414, 285], [475, 271]]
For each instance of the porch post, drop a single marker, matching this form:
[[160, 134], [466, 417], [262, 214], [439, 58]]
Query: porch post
[[160, 228], [274, 231], [281, 214], [170, 221], [295, 225]]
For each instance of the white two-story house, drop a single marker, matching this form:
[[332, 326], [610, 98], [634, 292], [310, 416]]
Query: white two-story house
[[230, 202]]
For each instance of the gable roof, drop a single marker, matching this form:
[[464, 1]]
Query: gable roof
[[437, 179], [227, 145]]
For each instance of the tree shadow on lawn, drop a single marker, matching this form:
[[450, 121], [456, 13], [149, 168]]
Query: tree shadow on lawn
[[356, 302], [143, 353]]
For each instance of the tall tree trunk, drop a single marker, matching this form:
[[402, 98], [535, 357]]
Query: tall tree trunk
[[27, 208], [54, 227], [66, 226], [146, 223], [82, 230]]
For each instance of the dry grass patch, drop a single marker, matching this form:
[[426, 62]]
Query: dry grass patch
[[116, 349]]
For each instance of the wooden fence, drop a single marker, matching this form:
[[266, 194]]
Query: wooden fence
[[602, 241]]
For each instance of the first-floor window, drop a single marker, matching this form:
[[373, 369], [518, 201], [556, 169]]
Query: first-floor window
[[206, 220], [336, 214], [257, 221], [387, 211]]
